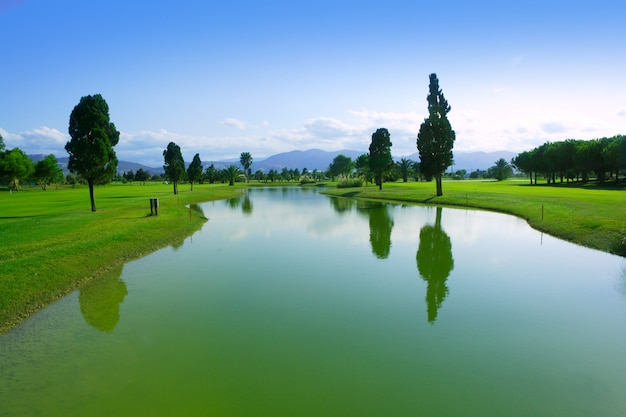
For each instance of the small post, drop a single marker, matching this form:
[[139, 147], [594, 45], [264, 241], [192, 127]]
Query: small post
[[189, 212], [154, 206], [542, 212]]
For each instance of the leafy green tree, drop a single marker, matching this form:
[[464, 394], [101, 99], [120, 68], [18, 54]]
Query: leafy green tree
[[259, 175], [15, 165], [362, 166], [380, 155], [285, 174], [272, 175], [435, 139], [72, 179], [405, 166], [174, 164], [245, 159], [211, 174], [614, 154], [501, 170], [129, 176], [522, 162], [2, 147], [416, 170], [142, 176], [341, 166], [90, 148], [232, 173], [47, 171], [194, 171]]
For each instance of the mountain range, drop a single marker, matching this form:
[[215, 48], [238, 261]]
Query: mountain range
[[317, 159]]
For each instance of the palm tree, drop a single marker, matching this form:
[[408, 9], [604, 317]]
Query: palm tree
[[404, 166], [232, 172], [246, 160], [501, 170]]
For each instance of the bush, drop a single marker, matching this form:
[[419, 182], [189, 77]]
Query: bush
[[306, 180], [350, 183]]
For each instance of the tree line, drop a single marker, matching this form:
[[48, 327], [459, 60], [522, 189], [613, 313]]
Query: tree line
[[575, 160], [16, 167]]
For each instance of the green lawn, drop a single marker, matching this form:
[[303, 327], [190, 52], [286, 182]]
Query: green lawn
[[590, 215], [51, 241]]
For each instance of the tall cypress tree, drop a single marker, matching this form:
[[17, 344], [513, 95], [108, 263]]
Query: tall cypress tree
[[436, 137], [380, 155]]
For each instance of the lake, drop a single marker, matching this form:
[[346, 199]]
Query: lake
[[291, 303]]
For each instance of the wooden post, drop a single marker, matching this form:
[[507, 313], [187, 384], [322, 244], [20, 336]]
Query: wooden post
[[154, 206], [542, 212]]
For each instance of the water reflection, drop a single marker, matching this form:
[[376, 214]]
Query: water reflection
[[242, 201], [246, 205], [100, 300], [434, 263], [381, 225], [342, 205], [234, 202]]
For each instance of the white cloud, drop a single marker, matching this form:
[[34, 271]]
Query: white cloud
[[326, 128], [394, 121], [43, 140], [236, 123], [621, 112]]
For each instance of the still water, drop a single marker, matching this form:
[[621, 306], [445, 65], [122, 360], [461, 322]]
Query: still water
[[291, 303]]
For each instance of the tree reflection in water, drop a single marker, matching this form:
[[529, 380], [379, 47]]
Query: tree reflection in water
[[100, 300], [381, 225], [342, 205], [434, 263], [246, 205]]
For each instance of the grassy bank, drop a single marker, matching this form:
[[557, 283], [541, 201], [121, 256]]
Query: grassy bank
[[51, 242], [590, 215]]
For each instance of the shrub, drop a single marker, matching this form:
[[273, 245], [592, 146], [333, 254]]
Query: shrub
[[350, 183]]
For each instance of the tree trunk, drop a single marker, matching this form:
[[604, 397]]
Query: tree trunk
[[175, 188], [91, 196], [438, 181]]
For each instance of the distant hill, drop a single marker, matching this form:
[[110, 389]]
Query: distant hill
[[311, 159], [315, 159], [471, 161], [122, 166]]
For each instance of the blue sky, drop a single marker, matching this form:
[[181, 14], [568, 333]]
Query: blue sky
[[223, 77]]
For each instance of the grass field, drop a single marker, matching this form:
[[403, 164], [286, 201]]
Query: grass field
[[589, 215], [51, 241]]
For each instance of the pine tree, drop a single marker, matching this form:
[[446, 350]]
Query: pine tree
[[436, 137]]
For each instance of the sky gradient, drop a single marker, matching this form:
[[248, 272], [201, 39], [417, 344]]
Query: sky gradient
[[220, 78]]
